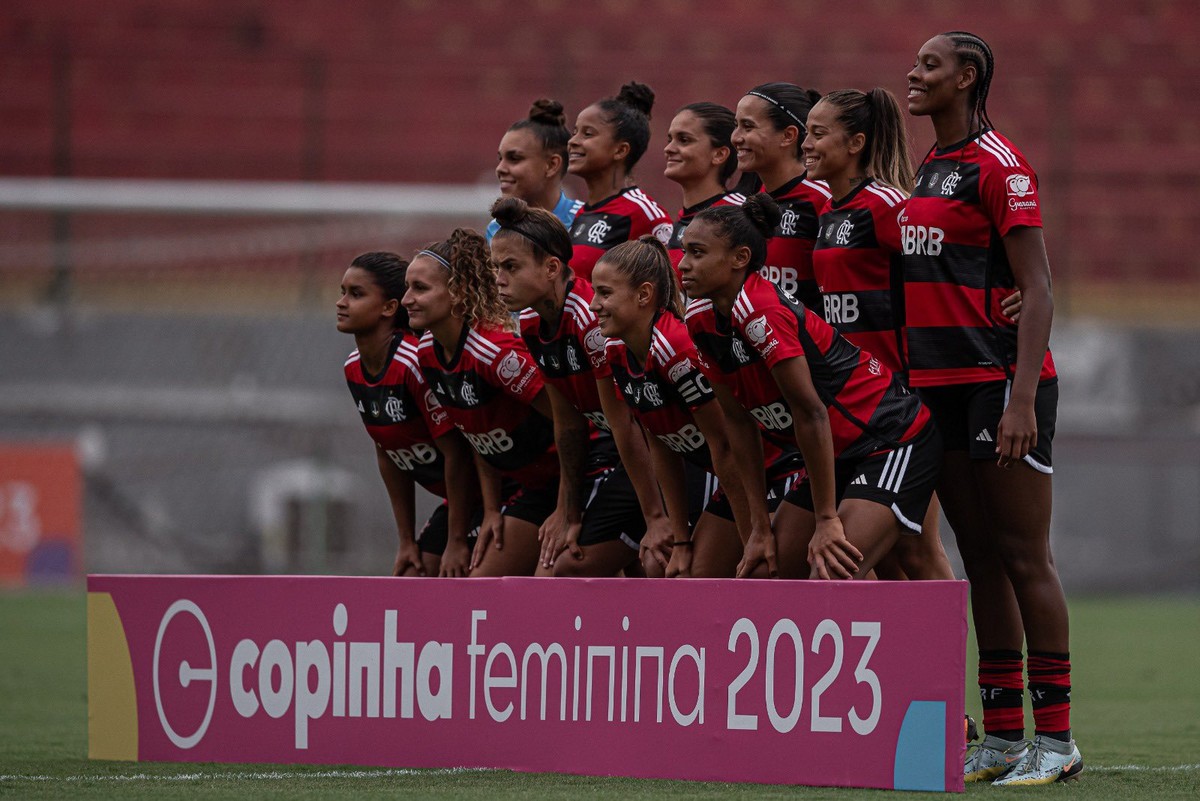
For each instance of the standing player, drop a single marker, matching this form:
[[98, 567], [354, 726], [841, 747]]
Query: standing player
[[857, 145], [532, 251], [659, 373], [415, 443], [532, 161], [700, 159], [770, 127], [870, 449], [971, 231], [610, 137], [483, 376]]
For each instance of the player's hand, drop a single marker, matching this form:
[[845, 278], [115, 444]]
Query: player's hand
[[830, 554], [491, 534], [760, 549], [553, 535], [656, 543], [680, 565], [1017, 433], [1010, 306], [408, 560], [456, 560]]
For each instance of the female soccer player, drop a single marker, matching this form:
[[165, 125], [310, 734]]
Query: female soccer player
[[970, 232], [415, 443], [532, 161], [484, 378], [660, 375], [532, 251], [870, 449], [610, 137], [700, 159], [770, 128], [858, 146]]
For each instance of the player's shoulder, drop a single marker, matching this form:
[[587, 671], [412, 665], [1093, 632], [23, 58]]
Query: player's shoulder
[[528, 320], [997, 154], [880, 196], [756, 294], [642, 205], [697, 313], [731, 199], [817, 190], [352, 359]]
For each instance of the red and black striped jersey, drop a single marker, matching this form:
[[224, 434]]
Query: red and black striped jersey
[[675, 243], [967, 198], [789, 250], [739, 366], [488, 388], [664, 391], [401, 413], [857, 266], [571, 357], [626, 215], [869, 408]]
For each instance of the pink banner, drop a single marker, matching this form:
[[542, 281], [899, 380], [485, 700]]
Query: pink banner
[[840, 683]]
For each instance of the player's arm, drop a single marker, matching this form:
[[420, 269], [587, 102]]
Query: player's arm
[[830, 554], [462, 493], [1026, 250], [572, 437], [668, 466], [631, 444], [746, 440], [711, 421], [401, 494], [491, 529]]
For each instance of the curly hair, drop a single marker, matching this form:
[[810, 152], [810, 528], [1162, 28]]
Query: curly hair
[[472, 279]]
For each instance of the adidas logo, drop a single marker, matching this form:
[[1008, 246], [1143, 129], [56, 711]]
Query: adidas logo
[[984, 436], [859, 480]]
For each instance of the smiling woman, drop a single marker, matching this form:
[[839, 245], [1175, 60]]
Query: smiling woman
[[532, 161]]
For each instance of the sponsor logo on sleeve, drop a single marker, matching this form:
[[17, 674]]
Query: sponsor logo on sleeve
[[679, 370], [436, 412], [1021, 192], [510, 367], [662, 232], [761, 335]]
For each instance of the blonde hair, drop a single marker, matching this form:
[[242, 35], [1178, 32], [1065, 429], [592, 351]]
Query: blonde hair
[[471, 279]]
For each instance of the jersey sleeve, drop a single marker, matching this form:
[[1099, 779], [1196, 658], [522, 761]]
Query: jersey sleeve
[[515, 373], [596, 345], [887, 225], [688, 377], [437, 419], [1010, 196], [773, 331]]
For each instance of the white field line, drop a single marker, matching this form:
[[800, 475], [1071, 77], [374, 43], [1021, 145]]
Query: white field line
[[276, 775], [273, 775]]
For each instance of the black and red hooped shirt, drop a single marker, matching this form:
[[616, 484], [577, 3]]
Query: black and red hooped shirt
[[488, 389], [674, 382], [627, 215], [967, 198], [869, 408], [401, 413], [856, 262], [675, 243], [571, 357], [789, 250]]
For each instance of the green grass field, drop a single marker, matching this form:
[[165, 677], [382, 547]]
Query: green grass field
[[1136, 717]]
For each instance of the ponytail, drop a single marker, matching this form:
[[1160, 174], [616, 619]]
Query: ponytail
[[877, 116], [645, 261]]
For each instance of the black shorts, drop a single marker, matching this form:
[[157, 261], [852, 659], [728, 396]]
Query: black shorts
[[611, 510], [531, 504], [968, 415], [433, 536], [902, 479], [777, 490], [702, 489]]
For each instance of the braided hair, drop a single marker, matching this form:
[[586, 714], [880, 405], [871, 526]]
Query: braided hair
[[971, 49]]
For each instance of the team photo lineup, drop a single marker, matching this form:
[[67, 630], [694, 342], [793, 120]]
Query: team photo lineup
[[791, 377]]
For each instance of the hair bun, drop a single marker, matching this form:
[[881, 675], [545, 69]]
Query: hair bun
[[813, 95], [509, 210], [763, 212], [638, 96], [547, 112]]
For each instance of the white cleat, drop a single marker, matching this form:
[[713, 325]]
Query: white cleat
[[1048, 761], [993, 757]]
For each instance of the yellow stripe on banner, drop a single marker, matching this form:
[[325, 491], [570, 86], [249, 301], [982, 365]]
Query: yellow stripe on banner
[[112, 701]]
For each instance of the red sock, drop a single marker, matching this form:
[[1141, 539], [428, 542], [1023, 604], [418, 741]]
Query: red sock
[[1002, 691], [1050, 693]]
